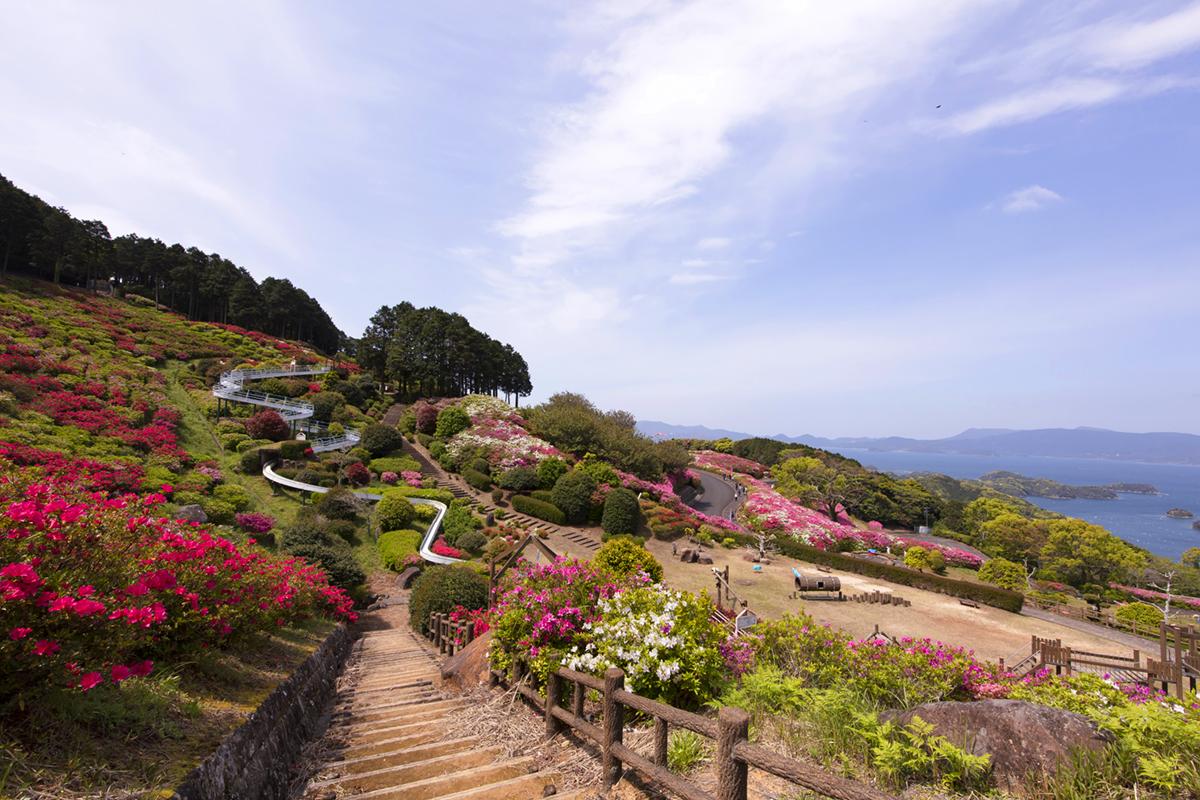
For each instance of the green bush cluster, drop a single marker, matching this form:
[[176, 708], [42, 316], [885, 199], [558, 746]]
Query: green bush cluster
[[293, 449], [441, 495], [623, 556], [519, 479], [538, 508], [396, 546], [379, 439], [549, 470], [450, 421], [393, 512], [477, 479], [396, 464], [471, 541], [459, 520], [340, 503], [251, 462], [622, 514], [572, 494], [441, 589], [315, 539]]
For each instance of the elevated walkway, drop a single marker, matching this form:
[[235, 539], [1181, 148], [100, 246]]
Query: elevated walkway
[[231, 387]]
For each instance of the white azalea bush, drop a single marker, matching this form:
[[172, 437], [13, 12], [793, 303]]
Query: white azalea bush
[[664, 640]]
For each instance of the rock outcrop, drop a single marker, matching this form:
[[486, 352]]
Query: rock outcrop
[[467, 668], [1024, 740], [192, 513]]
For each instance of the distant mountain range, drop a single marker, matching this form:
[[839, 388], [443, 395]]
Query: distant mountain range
[[1164, 448]]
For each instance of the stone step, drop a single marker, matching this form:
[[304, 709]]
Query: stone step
[[402, 755], [523, 787], [419, 734], [373, 734], [359, 706], [457, 782], [401, 776], [372, 694], [401, 716]]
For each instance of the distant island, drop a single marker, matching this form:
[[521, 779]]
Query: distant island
[[1180, 513], [1023, 486], [1159, 448]]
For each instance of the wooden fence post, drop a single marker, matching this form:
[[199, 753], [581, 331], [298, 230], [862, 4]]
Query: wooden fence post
[[436, 621], [660, 741], [614, 724], [579, 694], [733, 726], [554, 683]]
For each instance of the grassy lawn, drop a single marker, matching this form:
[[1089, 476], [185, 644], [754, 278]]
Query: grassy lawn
[[141, 738]]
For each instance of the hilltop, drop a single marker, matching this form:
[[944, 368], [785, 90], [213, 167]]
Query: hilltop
[[1164, 448]]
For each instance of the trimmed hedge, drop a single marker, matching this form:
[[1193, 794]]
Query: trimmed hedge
[[441, 495], [477, 479], [396, 464], [545, 495], [538, 508], [988, 595], [395, 546], [293, 449]]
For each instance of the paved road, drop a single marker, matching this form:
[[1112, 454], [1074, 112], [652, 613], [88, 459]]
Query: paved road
[[717, 497], [1146, 646]]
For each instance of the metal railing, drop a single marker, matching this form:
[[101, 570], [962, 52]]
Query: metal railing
[[230, 387]]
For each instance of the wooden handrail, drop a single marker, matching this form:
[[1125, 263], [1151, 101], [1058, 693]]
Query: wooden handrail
[[734, 752]]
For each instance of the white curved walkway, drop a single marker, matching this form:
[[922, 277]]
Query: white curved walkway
[[231, 387], [431, 534]]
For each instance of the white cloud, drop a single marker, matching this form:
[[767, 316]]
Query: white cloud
[[713, 243], [1030, 104], [696, 278], [1031, 198], [1122, 44]]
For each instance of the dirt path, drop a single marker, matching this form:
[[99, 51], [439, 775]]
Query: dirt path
[[990, 632]]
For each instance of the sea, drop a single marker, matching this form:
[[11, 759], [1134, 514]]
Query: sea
[[1139, 519]]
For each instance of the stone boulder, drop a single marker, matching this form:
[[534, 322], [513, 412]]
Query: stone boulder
[[1022, 738], [192, 513], [468, 668]]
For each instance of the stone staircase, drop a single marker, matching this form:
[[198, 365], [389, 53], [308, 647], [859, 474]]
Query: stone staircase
[[386, 736]]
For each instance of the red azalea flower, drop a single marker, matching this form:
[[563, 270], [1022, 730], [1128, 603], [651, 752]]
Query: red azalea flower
[[19, 633], [90, 680], [120, 673], [45, 647]]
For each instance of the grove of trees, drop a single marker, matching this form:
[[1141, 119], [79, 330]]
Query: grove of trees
[[431, 352], [47, 242]]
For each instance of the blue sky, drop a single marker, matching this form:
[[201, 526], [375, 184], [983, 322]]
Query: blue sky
[[748, 215]]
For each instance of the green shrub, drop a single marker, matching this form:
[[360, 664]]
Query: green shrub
[[438, 451], [622, 556], [359, 453], [379, 439], [394, 512], [396, 464], [235, 495], [622, 514], [343, 529], [518, 479], [340, 503], [230, 441], [293, 449], [441, 495], [230, 426], [340, 565], [408, 422], [572, 494], [988, 595], [450, 421], [545, 495], [441, 589], [477, 479], [538, 508], [218, 511], [1144, 615], [481, 464], [471, 541], [549, 470], [459, 520], [249, 444], [425, 440], [251, 462], [1003, 573], [326, 405], [423, 513], [395, 546]]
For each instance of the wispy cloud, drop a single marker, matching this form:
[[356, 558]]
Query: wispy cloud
[[1031, 198], [696, 278], [713, 243]]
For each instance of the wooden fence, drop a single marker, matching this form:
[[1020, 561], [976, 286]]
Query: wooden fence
[[733, 756]]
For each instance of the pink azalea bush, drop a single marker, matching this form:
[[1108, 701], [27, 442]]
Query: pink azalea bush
[[412, 478], [726, 463], [767, 510], [1152, 596], [95, 588], [389, 477], [253, 522], [505, 443]]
